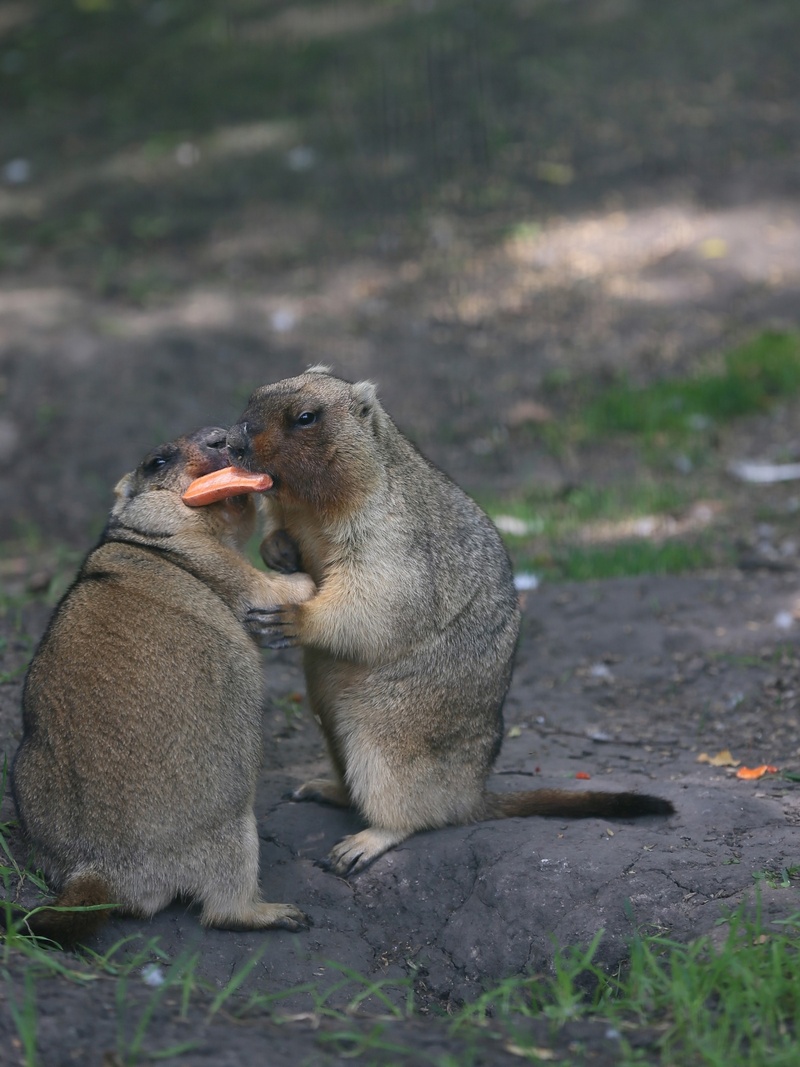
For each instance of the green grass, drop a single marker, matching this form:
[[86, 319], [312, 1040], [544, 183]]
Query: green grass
[[729, 1002], [737, 1004], [781, 879], [627, 558], [552, 544], [677, 419], [753, 376], [674, 422], [561, 513]]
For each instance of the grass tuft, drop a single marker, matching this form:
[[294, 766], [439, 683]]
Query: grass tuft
[[754, 375], [711, 1003], [590, 532], [584, 563], [585, 533]]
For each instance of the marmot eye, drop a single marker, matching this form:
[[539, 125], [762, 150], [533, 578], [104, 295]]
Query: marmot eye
[[154, 464], [306, 418]]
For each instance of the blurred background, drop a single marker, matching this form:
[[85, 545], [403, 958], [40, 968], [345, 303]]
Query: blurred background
[[562, 236]]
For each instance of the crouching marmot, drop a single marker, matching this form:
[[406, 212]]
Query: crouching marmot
[[142, 709]]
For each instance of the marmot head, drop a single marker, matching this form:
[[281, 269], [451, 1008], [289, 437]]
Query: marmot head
[[316, 435], [149, 498]]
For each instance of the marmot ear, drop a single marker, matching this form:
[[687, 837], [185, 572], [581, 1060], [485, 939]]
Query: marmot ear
[[123, 490], [365, 398]]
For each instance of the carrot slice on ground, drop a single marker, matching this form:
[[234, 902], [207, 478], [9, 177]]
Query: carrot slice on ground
[[230, 481], [756, 772]]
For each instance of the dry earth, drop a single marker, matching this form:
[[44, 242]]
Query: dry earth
[[627, 681], [671, 232]]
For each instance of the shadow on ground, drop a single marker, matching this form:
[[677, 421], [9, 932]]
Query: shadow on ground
[[478, 207]]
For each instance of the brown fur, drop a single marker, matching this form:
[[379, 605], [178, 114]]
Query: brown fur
[[141, 741], [408, 644]]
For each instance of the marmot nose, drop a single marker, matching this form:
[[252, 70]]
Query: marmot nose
[[238, 442], [212, 437]]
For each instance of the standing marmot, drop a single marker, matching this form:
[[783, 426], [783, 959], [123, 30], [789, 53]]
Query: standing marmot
[[142, 710], [408, 644]]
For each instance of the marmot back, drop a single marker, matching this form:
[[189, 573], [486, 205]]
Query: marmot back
[[136, 773]]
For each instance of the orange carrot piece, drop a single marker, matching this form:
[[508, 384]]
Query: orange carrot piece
[[756, 772], [230, 481]]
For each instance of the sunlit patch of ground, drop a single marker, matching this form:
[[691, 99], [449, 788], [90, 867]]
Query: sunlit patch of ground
[[700, 516]]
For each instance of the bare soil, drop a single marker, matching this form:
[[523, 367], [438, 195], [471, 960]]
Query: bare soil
[[463, 283]]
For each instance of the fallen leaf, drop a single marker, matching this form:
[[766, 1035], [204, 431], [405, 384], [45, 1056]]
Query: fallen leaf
[[514, 731], [722, 759], [756, 772], [713, 248], [537, 1053], [583, 776]]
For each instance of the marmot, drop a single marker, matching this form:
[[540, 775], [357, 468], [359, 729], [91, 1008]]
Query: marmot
[[408, 644], [142, 709]]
